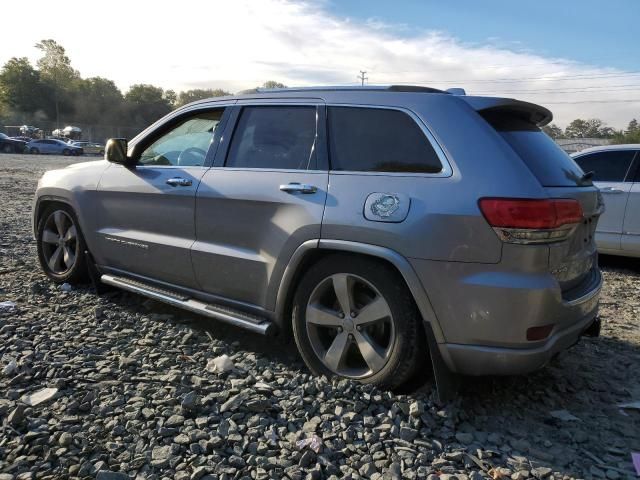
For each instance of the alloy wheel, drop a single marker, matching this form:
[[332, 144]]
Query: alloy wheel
[[60, 242], [350, 326]]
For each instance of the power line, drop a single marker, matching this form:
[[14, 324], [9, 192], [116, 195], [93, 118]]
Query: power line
[[519, 79], [362, 77]]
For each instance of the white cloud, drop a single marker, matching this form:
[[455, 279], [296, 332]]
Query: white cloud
[[240, 44]]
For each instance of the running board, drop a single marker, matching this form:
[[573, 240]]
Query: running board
[[218, 312]]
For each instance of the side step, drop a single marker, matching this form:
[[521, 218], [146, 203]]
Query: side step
[[219, 312]]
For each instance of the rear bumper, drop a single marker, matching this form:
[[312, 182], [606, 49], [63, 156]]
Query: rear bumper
[[481, 360], [485, 311]]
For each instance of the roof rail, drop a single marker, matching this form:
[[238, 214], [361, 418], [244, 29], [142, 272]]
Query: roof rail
[[378, 88]]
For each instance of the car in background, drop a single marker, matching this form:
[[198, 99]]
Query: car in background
[[11, 145], [92, 148], [616, 173], [50, 145]]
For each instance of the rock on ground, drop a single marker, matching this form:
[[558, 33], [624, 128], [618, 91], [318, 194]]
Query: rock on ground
[[137, 398]]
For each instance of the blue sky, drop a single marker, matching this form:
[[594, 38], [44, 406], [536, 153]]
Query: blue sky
[[595, 32], [577, 57]]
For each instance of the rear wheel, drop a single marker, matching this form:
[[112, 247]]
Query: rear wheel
[[34, 150], [354, 318], [7, 148], [61, 245]]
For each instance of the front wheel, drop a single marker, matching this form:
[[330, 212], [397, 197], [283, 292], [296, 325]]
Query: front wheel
[[7, 148], [66, 152], [354, 318], [61, 245]]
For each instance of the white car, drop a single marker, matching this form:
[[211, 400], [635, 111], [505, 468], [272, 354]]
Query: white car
[[616, 174]]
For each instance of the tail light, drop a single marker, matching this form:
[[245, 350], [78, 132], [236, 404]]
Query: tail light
[[518, 220]]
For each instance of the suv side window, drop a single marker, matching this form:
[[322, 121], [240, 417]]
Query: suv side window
[[186, 144], [277, 137], [379, 140], [608, 166]]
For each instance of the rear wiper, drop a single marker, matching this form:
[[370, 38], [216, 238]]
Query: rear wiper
[[587, 176]]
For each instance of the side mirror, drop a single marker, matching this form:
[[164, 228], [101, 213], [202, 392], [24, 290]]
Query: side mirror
[[116, 151]]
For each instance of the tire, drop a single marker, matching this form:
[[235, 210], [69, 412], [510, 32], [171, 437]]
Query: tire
[[55, 233], [396, 336], [7, 148], [66, 152], [74, 153], [101, 153], [34, 151]]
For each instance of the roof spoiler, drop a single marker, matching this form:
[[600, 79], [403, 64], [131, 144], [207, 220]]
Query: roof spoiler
[[529, 112]]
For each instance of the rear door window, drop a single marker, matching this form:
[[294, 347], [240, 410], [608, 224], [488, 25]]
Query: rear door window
[[275, 137], [551, 165], [609, 166], [379, 140]]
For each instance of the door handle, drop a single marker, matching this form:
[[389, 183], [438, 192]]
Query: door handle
[[295, 187], [179, 182], [611, 190]]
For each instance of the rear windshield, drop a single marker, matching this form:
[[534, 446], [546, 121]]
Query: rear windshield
[[546, 160]]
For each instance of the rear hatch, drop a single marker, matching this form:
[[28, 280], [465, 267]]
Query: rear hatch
[[572, 261]]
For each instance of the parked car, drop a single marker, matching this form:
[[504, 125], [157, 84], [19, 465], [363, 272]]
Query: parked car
[[616, 173], [90, 147], [51, 145], [11, 145], [378, 225]]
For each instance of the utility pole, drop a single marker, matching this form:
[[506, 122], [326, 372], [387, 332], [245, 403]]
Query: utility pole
[[362, 77]]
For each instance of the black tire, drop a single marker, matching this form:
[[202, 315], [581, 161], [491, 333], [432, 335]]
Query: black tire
[[78, 272], [408, 341], [34, 151], [66, 152], [7, 148]]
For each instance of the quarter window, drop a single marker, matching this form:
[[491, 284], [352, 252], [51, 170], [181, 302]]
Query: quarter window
[[275, 137], [610, 166], [185, 144], [379, 140]]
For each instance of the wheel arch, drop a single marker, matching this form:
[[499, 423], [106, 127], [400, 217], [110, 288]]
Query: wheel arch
[[312, 251]]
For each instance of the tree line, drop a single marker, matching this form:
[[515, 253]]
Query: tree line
[[595, 128], [53, 93]]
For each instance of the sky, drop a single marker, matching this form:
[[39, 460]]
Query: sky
[[578, 58]]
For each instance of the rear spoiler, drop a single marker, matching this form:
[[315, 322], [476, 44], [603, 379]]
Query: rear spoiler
[[529, 112]]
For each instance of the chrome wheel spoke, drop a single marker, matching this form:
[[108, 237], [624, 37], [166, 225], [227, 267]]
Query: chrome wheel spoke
[[71, 234], [374, 359], [343, 292], [58, 218], [319, 316], [54, 260], [49, 236], [335, 353], [373, 312]]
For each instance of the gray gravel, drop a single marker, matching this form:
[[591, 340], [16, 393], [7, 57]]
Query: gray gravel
[[138, 395]]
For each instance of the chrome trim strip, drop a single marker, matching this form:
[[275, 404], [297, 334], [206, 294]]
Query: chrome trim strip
[[192, 305], [587, 296]]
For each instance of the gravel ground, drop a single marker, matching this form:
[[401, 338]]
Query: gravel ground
[[133, 392]]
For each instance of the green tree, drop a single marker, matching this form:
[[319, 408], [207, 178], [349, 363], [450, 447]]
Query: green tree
[[20, 87], [98, 101], [591, 128], [145, 104], [633, 127], [553, 131], [55, 69], [193, 95], [273, 84]]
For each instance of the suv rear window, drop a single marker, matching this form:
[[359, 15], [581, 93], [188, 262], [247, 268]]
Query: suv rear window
[[551, 165], [379, 140]]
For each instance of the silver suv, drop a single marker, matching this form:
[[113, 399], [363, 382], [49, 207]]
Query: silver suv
[[380, 226]]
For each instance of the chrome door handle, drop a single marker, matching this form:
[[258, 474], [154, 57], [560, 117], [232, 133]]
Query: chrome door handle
[[611, 190], [178, 182], [295, 187]]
